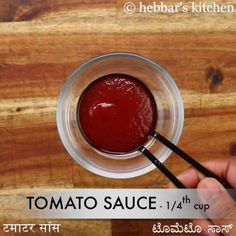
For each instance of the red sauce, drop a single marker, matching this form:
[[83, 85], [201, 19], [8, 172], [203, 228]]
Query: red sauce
[[117, 113]]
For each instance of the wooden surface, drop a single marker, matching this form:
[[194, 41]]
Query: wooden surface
[[43, 41]]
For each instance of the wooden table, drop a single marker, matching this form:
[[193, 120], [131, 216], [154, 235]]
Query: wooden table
[[43, 41]]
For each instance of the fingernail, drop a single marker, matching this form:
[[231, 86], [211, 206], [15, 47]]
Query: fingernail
[[210, 189]]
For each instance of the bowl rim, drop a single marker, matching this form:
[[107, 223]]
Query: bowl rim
[[74, 76]]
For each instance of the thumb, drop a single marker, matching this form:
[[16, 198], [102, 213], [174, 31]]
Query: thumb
[[222, 207]]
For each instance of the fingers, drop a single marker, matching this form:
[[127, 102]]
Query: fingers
[[225, 169], [190, 178], [222, 207]]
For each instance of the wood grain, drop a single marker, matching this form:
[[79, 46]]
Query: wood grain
[[43, 41]]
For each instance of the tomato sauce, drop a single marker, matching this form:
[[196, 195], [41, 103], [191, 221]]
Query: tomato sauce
[[116, 113]]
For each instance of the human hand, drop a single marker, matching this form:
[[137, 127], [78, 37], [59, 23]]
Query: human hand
[[221, 203]]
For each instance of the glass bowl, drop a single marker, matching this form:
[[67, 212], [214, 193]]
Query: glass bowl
[[169, 105]]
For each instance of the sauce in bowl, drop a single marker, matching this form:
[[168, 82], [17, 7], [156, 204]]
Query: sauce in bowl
[[117, 113]]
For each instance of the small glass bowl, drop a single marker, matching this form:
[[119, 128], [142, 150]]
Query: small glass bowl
[[169, 107]]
